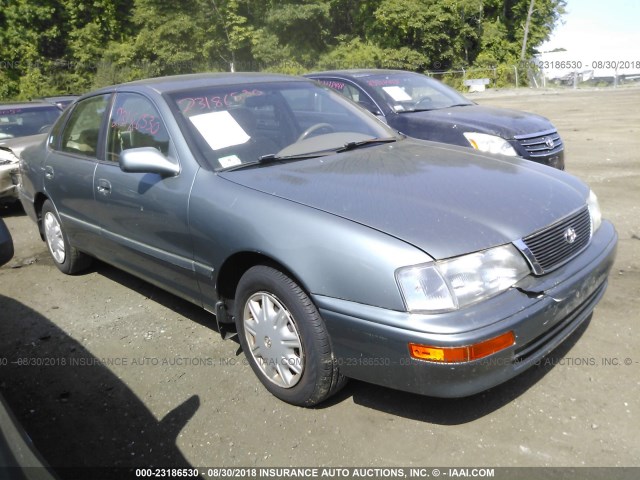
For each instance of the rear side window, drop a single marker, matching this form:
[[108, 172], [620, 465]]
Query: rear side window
[[134, 123], [82, 131], [349, 91]]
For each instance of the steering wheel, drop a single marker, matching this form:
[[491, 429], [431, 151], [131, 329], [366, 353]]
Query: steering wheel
[[313, 128], [423, 101]]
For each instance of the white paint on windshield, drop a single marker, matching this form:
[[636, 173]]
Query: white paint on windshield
[[219, 129], [397, 93]]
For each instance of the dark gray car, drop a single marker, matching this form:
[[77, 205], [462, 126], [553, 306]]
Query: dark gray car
[[337, 247], [423, 107], [6, 244]]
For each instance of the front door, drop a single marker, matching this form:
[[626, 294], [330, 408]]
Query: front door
[[144, 216]]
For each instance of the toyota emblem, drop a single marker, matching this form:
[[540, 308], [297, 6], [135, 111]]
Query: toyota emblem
[[570, 235], [549, 143]]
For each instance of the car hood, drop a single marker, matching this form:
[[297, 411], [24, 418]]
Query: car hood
[[15, 146], [443, 199], [477, 118]]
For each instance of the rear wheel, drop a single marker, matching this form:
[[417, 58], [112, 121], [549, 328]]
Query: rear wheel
[[68, 259], [284, 338]]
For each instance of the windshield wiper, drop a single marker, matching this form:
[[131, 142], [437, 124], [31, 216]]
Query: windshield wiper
[[435, 108], [353, 145], [275, 158], [413, 110]]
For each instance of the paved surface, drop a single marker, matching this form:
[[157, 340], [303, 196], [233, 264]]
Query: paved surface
[[120, 373]]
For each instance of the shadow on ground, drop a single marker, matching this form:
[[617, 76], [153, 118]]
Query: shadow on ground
[[11, 209], [77, 412]]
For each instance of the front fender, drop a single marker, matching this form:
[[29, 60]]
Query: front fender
[[329, 255]]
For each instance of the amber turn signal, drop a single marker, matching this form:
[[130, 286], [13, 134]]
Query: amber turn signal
[[462, 354]]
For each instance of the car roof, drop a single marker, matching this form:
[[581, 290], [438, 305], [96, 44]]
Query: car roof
[[66, 96], [197, 80], [360, 72], [26, 105]]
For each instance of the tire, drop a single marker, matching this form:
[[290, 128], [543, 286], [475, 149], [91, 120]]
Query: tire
[[68, 259], [290, 351]]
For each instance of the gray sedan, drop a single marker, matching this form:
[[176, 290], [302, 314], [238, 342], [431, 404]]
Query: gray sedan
[[332, 245]]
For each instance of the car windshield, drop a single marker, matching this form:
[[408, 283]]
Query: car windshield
[[410, 92], [245, 124], [18, 121]]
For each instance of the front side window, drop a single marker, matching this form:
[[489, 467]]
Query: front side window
[[82, 131], [134, 123], [410, 92], [349, 91]]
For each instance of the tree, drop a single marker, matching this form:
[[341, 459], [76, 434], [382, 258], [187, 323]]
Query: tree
[[445, 32], [54, 46]]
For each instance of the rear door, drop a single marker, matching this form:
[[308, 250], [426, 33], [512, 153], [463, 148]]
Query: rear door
[[69, 168]]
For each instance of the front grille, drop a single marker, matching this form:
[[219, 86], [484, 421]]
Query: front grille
[[556, 244], [541, 144]]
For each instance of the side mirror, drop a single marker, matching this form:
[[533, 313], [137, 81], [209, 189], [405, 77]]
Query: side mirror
[[147, 160]]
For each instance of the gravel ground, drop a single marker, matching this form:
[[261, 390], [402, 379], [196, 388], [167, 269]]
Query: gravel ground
[[103, 369]]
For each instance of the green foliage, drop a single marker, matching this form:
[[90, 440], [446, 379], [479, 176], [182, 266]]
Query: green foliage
[[352, 53], [66, 46], [446, 32]]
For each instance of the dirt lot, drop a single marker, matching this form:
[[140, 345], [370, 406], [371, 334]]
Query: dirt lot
[[126, 374]]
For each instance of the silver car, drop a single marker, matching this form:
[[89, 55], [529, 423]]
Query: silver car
[[334, 246], [21, 125]]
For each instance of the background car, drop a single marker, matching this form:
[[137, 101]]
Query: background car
[[21, 125], [422, 107], [61, 101], [335, 246], [28, 118]]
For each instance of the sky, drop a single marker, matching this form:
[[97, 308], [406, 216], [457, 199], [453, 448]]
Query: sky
[[599, 26], [597, 31]]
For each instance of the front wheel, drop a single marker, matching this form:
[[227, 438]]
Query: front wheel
[[68, 259], [284, 338]]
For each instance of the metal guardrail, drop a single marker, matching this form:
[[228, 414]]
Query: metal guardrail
[[514, 76]]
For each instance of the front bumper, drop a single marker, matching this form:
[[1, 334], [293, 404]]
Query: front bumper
[[371, 344], [555, 160]]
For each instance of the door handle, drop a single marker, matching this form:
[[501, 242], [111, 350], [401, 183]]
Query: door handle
[[103, 186], [48, 172]]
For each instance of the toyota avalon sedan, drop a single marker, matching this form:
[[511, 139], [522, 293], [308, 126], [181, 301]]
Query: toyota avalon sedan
[[425, 108], [332, 245]]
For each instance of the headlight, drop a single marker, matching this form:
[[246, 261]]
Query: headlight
[[594, 211], [489, 143], [459, 282]]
